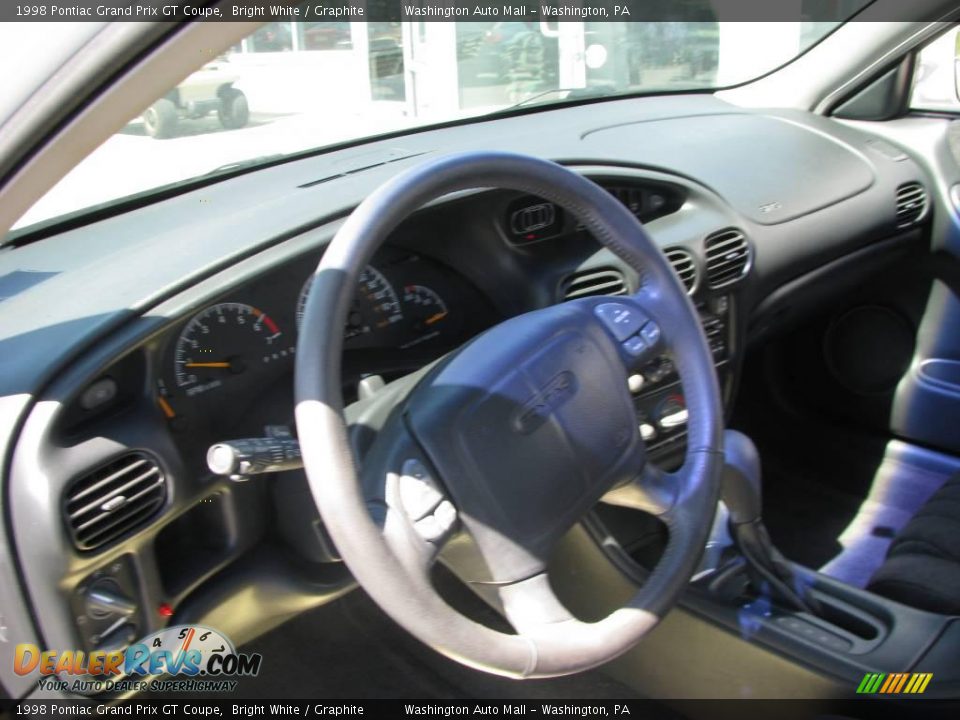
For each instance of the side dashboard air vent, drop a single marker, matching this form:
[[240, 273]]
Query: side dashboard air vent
[[684, 266], [113, 500], [727, 254], [911, 204], [593, 282]]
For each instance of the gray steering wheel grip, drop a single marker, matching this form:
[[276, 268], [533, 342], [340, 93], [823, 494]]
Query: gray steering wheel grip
[[545, 649]]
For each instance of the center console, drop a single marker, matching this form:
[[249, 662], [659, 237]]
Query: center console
[[848, 636]]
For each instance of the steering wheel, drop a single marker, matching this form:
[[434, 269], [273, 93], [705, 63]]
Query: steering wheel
[[510, 439]]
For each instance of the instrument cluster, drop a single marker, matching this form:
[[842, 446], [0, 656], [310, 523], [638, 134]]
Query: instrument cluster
[[407, 310]]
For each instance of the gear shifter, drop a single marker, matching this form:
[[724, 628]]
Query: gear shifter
[[740, 491]]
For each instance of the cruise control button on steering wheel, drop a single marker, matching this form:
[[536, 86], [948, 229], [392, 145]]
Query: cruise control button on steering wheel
[[620, 319]]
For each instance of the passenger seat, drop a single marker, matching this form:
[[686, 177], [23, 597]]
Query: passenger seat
[[922, 568]]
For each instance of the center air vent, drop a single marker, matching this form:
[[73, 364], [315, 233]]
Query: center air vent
[[593, 282], [113, 500], [530, 219], [630, 197], [911, 204], [684, 266], [727, 254]]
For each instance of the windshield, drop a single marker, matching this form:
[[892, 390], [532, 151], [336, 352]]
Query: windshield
[[291, 87]]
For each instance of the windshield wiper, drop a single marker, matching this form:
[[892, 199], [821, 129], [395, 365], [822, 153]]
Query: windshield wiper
[[242, 164], [572, 94]]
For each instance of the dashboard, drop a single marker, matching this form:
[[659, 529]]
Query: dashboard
[[194, 341], [226, 370]]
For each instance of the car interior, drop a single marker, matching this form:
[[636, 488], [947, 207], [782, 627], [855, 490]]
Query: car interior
[[649, 396]]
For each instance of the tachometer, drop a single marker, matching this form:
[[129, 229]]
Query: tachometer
[[375, 306], [222, 341]]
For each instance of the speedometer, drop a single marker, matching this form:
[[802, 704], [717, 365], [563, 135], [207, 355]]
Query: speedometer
[[223, 341], [375, 305]]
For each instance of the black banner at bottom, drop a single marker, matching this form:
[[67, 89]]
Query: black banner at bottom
[[196, 709]]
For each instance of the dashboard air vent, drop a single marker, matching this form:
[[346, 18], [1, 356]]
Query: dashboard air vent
[[684, 266], [911, 204], [593, 282], [630, 197], [727, 254], [111, 501], [530, 219]]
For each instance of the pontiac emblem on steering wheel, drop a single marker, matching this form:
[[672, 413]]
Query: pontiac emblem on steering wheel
[[534, 413]]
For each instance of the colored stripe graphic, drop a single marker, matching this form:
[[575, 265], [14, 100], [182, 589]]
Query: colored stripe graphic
[[915, 680], [900, 682], [891, 681], [894, 683], [870, 683]]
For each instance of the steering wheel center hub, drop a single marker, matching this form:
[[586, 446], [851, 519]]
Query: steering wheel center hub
[[530, 424]]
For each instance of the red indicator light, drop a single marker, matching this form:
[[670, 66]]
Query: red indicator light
[[165, 610]]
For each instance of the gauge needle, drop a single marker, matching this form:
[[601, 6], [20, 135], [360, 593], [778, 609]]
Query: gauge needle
[[184, 647], [186, 641], [165, 406], [207, 365], [435, 318]]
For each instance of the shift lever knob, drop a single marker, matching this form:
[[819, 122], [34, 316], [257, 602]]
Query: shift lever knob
[[741, 478], [740, 492]]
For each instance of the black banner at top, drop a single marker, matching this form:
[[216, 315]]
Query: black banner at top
[[464, 11]]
